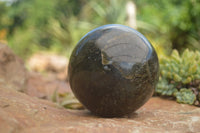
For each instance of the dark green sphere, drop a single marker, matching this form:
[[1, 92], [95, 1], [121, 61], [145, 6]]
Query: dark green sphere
[[113, 70]]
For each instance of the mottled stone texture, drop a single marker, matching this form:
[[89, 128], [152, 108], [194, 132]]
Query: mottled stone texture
[[113, 70]]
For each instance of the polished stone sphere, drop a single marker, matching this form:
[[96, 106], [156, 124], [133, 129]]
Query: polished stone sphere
[[113, 70]]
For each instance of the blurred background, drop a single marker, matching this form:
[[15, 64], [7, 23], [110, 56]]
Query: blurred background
[[30, 26], [44, 33]]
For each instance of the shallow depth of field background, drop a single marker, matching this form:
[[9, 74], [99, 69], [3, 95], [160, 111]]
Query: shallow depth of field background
[[30, 26]]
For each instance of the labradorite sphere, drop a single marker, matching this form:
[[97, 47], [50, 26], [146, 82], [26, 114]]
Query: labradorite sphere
[[113, 70]]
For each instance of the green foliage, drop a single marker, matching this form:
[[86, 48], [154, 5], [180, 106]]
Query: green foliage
[[174, 23], [164, 88], [110, 12], [57, 25], [185, 96], [4, 20], [40, 25], [180, 77]]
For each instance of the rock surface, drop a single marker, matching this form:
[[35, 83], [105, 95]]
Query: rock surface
[[44, 86], [13, 74], [22, 113]]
